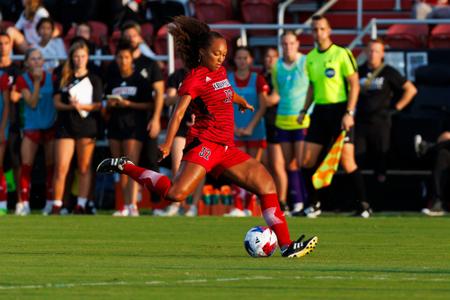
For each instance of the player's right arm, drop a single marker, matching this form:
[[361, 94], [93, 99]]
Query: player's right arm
[[308, 101], [174, 124]]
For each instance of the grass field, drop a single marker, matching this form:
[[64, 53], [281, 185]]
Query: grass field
[[386, 257]]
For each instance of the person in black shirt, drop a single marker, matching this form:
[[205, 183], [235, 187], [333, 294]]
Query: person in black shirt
[[379, 83], [151, 72], [76, 123], [129, 100]]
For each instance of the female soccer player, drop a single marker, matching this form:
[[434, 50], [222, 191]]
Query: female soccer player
[[210, 144], [129, 101], [36, 86], [76, 124]]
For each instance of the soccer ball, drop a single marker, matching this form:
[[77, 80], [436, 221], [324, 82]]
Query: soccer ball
[[260, 241]]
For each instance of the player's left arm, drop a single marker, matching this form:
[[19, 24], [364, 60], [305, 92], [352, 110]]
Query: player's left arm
[[243, 104], [154, 125], [348, 120], [409, 91]]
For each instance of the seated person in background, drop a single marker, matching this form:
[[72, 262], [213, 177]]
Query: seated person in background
[[33, 12], [441, 167], [52, 48], [426, 9]]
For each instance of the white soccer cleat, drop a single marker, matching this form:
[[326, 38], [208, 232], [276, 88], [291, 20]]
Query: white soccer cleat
[[236, 212], [22, 209], [192, 211], [124, 212]]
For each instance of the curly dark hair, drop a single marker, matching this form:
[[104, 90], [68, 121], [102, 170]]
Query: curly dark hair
[[190, 36]]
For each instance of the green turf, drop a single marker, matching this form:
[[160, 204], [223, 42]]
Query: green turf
[[203, 258]]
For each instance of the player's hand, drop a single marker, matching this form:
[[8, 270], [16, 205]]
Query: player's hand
[[164, 151], [301, 118], [347, 122], [36, 73], [153, 127], [244, 106], [123, 103], [191, 122], [246, 131]]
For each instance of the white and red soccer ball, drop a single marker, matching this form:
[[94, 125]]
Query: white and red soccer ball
[[260, 241]]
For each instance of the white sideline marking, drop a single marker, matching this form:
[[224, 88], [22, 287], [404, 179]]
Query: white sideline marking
[[204, 280]]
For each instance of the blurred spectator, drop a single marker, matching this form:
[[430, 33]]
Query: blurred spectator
[[27, 22], [173, 83], [39, 114], [76, 123], [275, 159], [8, 73], [249, 130], [52, 48], [334, 88], [438, 9], [129, 99], [379, 83], [151, 72], [440, 170], [290, 81], [132, 31]]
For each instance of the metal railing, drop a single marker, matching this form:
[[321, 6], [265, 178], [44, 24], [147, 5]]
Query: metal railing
[[374, 31]]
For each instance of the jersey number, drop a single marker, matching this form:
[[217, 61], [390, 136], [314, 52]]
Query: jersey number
[[228, 95], [205, 153]]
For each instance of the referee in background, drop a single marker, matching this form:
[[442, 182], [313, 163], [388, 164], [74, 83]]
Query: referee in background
[[334, 89]]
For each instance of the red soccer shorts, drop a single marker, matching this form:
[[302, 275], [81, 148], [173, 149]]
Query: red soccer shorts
[[40, 135], [215, 157], [251, 144]]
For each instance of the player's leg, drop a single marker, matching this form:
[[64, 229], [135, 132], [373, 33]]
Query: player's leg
[[132, 149], [64, 149], [310, 156], [251, 175], [28, 151], [277, 166], [49, 152], [3, 189], [357, 181], [85, 149]]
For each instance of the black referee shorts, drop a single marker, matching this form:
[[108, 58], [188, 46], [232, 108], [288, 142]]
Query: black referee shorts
[[326, 124]]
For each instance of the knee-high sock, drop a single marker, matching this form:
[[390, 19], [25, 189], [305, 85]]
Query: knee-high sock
[[49, 182], [274, 217], [25, 174], [309, 187], [357, 182], [153, 181], [296, 187], [3, 191]]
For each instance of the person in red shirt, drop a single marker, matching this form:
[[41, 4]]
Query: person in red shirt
[[210, 146]]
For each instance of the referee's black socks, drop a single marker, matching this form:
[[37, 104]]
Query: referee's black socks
[[357, 182]]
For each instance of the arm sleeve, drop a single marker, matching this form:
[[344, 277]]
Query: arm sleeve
[[21, 84], [143, 94], [261, 84], [395, 79], [348, 63], [98, 89], [190, 87], [156, 73], [20, 23]]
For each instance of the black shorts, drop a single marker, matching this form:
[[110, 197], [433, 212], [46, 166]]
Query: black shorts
[[63, 132], [271, 134], [182, 130], [326, 124], [121, 134], [12, 155]]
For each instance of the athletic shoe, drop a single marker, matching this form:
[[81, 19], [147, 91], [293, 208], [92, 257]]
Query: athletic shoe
[[421, 147], [90, 208], [79, 210], [300, 248], [236, 212], [3, 211], [248, 212], [47, 210], [159, 212], [435, 211], [297, 211], [124, 212], [57, 210], [22, 209], [113, 165], [192, 211], [313, 211], [172, 210], [365, 213], [133, 211]]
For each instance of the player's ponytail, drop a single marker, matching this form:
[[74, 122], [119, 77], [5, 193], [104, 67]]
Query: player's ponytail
[[190, 36]]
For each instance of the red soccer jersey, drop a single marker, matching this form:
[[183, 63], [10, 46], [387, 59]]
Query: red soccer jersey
[[212, 104]]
